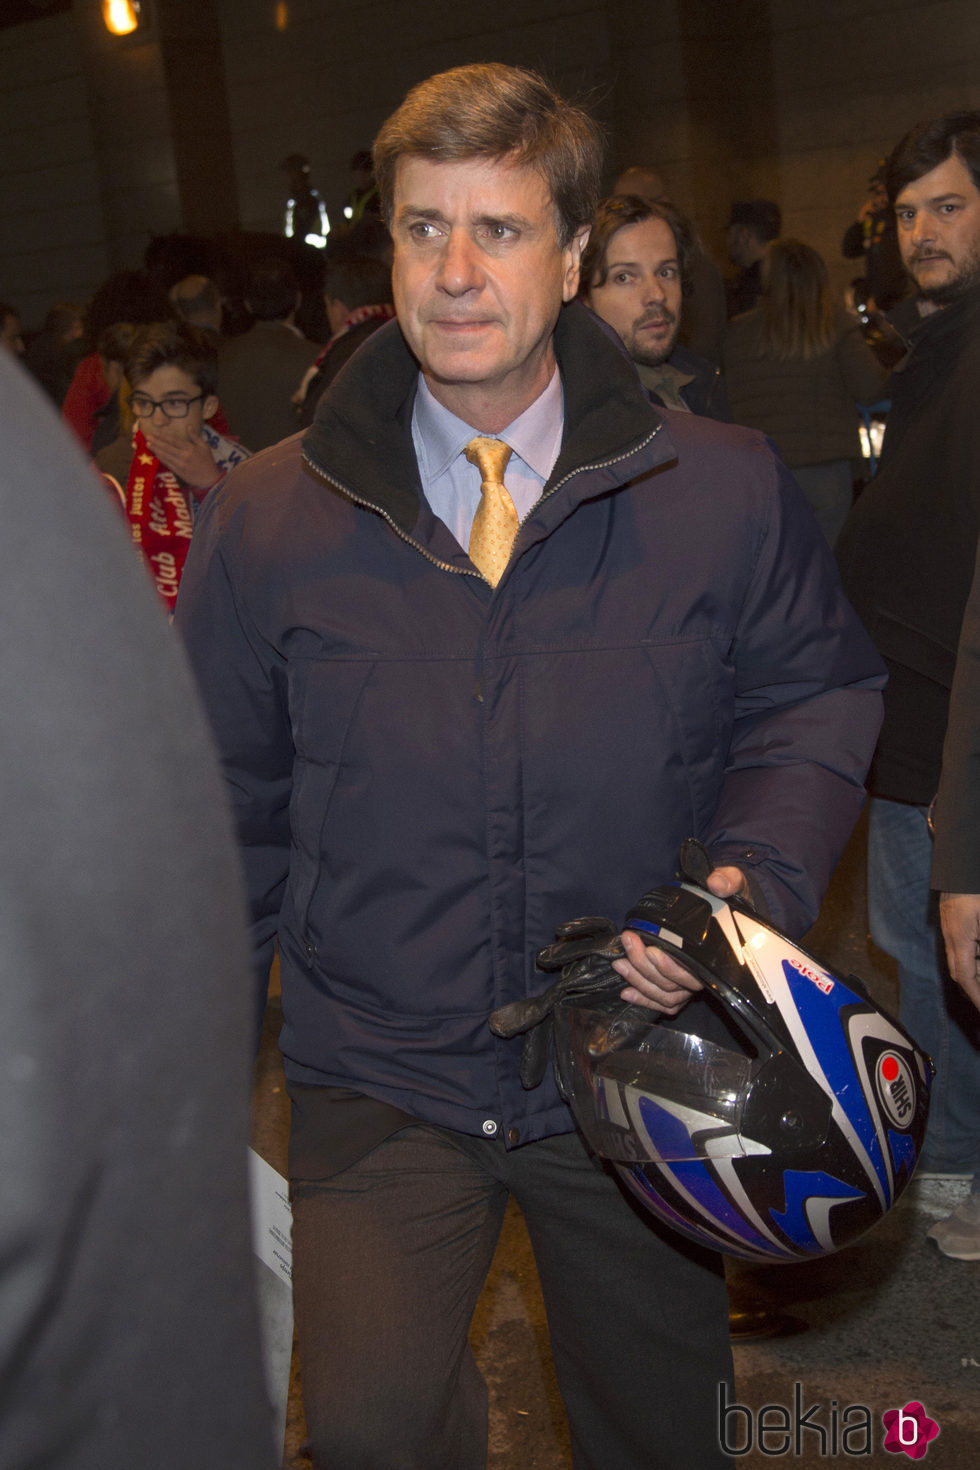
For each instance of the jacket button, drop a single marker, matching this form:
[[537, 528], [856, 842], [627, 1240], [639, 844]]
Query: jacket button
[[489, 1127], [513, 1135]]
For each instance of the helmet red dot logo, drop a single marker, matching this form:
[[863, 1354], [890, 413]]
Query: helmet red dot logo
[[895, 1087]]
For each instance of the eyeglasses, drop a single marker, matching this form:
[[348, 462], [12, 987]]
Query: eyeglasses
[[174, 408]]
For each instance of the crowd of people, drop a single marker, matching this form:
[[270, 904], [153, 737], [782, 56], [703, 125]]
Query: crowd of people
[[764, 345], [534, 597]]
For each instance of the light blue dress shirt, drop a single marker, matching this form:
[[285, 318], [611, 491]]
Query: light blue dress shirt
[[452, 485]]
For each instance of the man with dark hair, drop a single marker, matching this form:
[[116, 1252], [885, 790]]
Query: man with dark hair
[[178, 458], [752, 223], [357, 297], [705, 311], [907, 555], [480, 651], [258, 372], [636, 270]]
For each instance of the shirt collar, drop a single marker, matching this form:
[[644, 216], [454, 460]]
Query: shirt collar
[[535, 435]]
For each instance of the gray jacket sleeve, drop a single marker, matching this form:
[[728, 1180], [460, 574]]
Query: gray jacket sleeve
[[128, 1320]]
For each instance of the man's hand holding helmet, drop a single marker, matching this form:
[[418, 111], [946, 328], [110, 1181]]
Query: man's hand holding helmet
[[591, 955], [656, 980]]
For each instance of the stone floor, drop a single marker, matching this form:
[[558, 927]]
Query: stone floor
[[884, 1323]]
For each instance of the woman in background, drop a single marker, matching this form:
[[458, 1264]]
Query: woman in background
[[797, 367]]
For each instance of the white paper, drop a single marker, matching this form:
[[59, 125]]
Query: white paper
[[272, 1218], [272, 1224]]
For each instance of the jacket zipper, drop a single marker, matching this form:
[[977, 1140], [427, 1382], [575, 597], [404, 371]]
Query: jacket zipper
[[604, 464], [444, 565], [370, 505]]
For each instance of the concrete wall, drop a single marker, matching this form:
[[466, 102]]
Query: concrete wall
[[323, 83], [105, 142], [52, 227], [788, 99]]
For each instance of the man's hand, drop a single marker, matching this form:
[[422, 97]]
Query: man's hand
[[184, 452], [656, 979], [959, 914]]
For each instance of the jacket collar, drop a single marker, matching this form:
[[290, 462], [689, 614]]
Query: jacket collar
[[942, 330], [361, 437]]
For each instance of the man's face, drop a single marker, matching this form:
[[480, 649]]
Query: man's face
[[10, 334], [938, 218], [641, 295], [479, 279], [173, 385]]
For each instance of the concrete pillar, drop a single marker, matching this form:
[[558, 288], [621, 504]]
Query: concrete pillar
[[159, 112]]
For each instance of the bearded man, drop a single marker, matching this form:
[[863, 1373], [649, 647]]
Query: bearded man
[[907, 557], [636, 274]]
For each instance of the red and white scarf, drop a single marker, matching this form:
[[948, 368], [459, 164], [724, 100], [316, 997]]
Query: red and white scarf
[[160, 509]]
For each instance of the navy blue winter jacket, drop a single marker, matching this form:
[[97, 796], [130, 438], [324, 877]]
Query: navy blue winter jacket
[[429, 774]]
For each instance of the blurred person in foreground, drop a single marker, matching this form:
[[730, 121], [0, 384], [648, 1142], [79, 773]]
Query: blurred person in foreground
[[437, 637], [907, 555], [796, 368], [129, 1330]]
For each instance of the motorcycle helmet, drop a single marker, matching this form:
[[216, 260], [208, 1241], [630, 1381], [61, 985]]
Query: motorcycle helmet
[[777, 1118]]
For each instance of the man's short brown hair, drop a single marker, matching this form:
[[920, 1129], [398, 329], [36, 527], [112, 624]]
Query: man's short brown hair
[[494, 111]]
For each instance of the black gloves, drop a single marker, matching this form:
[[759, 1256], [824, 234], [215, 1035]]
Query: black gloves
[[583, 951]]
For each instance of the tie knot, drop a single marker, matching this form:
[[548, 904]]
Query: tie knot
[[490, 457]]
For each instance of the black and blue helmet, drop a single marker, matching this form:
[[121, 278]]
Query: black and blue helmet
[[777, 1118]]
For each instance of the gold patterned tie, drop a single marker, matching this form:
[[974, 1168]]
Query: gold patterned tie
[[495, 523]]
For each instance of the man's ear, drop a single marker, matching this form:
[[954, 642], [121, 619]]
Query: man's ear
[[210, 407], [573, 262]]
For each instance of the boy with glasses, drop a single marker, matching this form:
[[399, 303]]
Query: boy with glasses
[[178, 456]]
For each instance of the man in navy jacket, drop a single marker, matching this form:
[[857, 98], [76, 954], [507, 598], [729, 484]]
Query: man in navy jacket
[[434, 765]]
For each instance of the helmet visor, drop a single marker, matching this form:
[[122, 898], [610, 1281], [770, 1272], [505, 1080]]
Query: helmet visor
[[640, 1090]]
